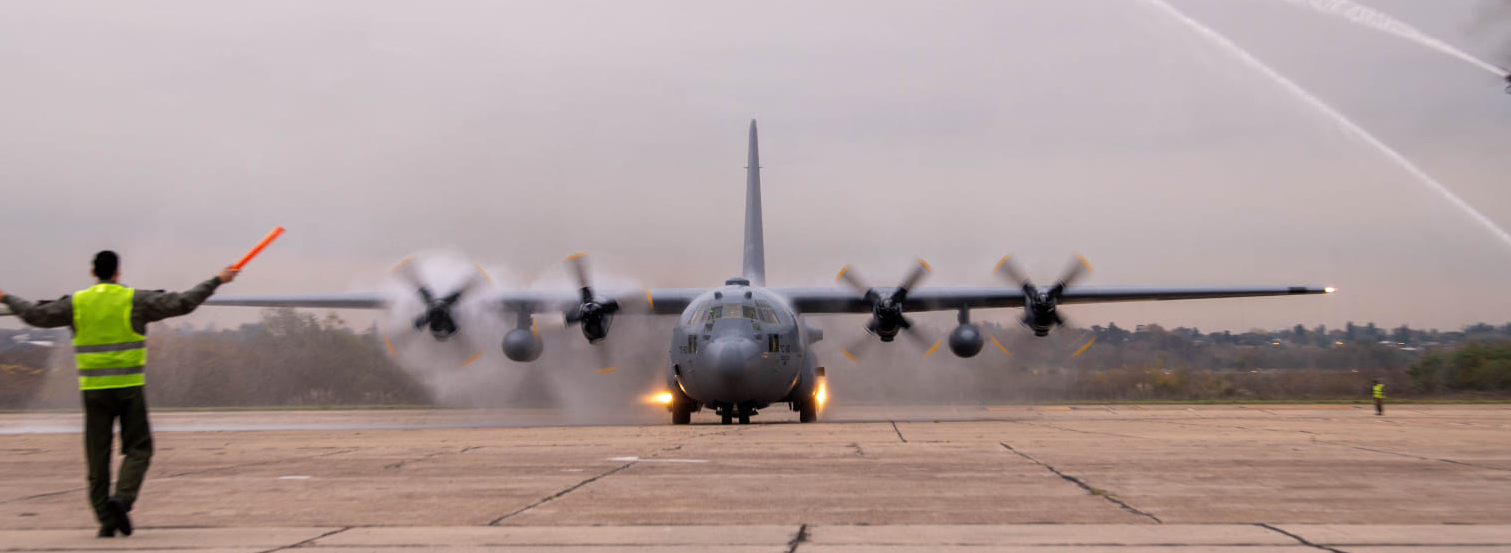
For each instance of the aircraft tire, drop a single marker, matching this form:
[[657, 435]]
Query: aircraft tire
[[807, 411], [726, 418], [682, 416], [744, 418]]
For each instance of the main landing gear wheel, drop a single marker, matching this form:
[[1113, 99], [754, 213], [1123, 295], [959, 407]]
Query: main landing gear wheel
[[807, 411], [726, 418], [744, 418], [682, 416]]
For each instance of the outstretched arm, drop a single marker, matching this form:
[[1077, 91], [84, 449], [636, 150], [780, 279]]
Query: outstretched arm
[[156, 306], [47, 314]]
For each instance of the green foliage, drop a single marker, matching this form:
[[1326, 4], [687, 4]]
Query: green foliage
[[1475, 366], [289, 358]]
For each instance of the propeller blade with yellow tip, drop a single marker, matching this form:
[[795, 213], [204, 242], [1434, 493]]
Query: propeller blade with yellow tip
[[915, 277], [999, 345], [847, 275]]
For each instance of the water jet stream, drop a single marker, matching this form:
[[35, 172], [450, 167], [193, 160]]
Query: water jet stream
[[1337, 117], [1364, 15]]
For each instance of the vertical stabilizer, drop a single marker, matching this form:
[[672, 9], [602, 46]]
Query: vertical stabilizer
[[755, 242]]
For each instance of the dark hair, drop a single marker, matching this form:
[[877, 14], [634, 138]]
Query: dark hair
[[105, 264]]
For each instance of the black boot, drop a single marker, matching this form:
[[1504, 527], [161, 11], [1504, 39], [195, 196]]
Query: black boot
[[118, 512]]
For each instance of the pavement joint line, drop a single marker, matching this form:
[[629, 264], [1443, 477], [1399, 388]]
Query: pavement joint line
[[898, 431], [1093, 432], [257, 463], [610, 472], [1408, 455], [1104, 494], [406, 462], [1300, 539], [798, 539], [311, 540], [42, 495], [570, 489], [1244, 428]]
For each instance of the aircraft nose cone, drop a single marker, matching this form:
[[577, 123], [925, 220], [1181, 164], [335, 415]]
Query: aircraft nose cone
[[731, 356], [726, 369]]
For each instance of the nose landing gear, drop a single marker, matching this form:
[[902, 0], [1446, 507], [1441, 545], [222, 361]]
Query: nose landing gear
[[728, 413]]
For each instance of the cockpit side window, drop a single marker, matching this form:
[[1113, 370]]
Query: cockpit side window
[[702, 313], [768, 315]]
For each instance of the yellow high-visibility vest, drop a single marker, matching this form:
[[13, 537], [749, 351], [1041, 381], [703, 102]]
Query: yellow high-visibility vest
[[109, 353], [1379, 391]]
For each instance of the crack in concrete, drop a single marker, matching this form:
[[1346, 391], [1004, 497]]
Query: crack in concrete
[[1104, 494], [1303, 541], [569, 489], [798, 539], [311, 540], [899, 432]]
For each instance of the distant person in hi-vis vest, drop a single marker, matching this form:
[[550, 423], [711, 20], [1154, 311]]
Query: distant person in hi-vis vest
[[1378, 390], [109, 323]]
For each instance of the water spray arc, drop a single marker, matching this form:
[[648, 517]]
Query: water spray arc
[[1337, 117], [1369, 17]]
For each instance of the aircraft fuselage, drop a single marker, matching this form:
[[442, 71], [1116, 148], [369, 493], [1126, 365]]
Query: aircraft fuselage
[[740, 348]]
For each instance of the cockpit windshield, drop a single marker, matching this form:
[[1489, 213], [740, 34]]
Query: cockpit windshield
[[709, 313]]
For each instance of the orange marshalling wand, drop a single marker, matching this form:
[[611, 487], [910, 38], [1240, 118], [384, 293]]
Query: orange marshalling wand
[[258, 248]]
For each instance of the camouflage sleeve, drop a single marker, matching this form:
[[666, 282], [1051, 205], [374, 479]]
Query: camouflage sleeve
[[156, 305], [44, 314]]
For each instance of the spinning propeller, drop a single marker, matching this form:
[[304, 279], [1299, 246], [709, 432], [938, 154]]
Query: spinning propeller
[[594, 314], [438, 314], [1041, 305], [887, 319]]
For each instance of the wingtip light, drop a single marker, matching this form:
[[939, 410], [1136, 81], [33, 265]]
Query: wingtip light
[[1329, 290]]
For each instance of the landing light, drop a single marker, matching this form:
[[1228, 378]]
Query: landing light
[[1329, 289], [663, 398], [821, 395]]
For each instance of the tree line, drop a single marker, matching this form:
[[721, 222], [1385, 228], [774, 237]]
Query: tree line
[[297, 358]]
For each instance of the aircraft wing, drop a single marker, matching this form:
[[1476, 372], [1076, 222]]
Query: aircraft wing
[[813, 300], [333, 300], [658, 301], [821, 300], [1109, 294]]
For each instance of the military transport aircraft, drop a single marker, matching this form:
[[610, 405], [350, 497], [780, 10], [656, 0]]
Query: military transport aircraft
[[744, 346]]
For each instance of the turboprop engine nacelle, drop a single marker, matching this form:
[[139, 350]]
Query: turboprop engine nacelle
[[522, 345], [966, 340]]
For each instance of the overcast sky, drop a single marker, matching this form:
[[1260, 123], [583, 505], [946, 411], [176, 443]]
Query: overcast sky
[[179, 132]]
